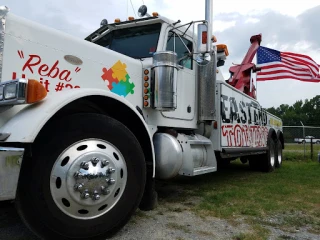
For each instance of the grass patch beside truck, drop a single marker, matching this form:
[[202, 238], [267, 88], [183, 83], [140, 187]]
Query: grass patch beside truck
[[287, 199]]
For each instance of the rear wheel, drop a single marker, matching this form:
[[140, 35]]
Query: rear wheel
[[269, 158], [279, 154], [84, 181]]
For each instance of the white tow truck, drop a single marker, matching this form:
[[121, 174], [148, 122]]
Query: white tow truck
[[87, 125]]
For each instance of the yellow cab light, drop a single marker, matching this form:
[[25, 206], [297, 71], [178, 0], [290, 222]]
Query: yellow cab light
[[146, 84], [146, 91], [146, 72], [35, 92], [155, 14], [223, 47], [146, 104], [146, 78], [146, 97], [117, 20], [131, 18]]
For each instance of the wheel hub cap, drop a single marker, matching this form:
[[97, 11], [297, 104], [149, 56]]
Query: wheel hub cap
[[88, 179]]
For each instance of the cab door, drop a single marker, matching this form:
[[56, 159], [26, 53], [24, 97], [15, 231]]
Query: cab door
[[186, 82]]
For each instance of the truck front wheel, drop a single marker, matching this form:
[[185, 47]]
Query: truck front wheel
[[84, 180]]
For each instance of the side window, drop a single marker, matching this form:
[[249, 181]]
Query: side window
[[182, 47]]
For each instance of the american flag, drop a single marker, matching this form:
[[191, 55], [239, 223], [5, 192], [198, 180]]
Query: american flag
[[276, 65]]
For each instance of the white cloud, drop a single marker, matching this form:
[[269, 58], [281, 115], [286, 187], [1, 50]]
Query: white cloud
[[220, 26], [252, 20]]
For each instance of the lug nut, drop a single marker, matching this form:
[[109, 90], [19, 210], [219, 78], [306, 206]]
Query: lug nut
[[111, 181], [94, 161], [105, 190], [104, 163], [85, 195], [84, 165], [96, 197], [78, 186], [111, 170], [78, 175]]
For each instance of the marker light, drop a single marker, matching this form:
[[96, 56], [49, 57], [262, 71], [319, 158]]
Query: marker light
[[117, 20], [146, 78], [204, 37], [146, 72], [155, 14], [21, 91], [223, 47], [35, 91], [130, 18]]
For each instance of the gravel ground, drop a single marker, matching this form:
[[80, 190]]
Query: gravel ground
[[169, 221]]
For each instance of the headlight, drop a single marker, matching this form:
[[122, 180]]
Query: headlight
[[1, 93], [10, 91], [21, 91]]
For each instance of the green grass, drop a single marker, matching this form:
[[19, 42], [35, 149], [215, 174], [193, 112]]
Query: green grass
[[300, 147], [291, 192]]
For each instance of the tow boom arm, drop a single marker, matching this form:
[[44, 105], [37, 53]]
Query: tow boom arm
[[241, 74]]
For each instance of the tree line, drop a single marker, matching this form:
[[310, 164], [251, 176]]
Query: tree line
[[307, 112]]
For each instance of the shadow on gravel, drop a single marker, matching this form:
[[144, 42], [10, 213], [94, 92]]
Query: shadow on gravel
[[181, 188], [11, 226]]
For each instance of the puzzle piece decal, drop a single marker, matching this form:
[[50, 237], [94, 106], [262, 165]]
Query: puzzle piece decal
[[118, 79], [129, 86], [119, 88], [107, 75], [119, 71]]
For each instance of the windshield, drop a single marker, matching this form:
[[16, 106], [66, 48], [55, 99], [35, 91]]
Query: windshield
[[135, 42]]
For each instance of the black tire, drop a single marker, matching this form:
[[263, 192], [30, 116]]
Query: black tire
[[269, 159], [279, 157], [36, 204]]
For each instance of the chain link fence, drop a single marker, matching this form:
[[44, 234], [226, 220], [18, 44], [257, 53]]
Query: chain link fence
[[301, 142]]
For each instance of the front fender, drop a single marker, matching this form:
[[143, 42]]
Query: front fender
[[26, 124]]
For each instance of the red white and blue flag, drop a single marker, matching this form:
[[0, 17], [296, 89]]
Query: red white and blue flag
[[276, 65]]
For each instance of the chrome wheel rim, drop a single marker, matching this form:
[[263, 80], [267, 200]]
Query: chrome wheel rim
[[88, 179], [279, 153], [272, 155]]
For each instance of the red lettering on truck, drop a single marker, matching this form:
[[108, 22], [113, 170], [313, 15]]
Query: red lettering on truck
[[33, 64]]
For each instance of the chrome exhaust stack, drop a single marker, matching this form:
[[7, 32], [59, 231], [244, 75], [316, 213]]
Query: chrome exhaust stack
[[207, 67]]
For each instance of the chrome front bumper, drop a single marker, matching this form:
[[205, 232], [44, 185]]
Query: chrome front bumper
[[10, 163]]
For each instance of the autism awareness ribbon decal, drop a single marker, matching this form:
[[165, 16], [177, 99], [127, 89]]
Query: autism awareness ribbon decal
[[118, 79]]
